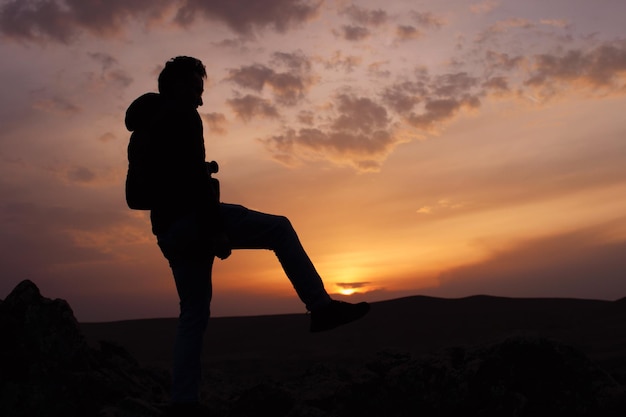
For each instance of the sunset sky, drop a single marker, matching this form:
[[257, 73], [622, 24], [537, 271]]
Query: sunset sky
[[437, 147]]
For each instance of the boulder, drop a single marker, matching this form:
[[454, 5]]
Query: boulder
[[48, 369]]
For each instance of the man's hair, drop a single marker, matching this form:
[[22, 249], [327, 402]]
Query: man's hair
[[181, 68]]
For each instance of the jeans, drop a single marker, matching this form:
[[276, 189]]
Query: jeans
[[191, 262]]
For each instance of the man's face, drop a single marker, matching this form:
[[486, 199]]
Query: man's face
[[197, 88], [190, 92]]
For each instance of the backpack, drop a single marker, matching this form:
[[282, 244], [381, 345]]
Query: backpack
[[141, 185]]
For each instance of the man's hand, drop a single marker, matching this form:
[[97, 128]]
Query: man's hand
[[221, 246]]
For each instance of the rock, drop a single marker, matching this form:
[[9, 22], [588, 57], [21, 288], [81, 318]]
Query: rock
[[521, 376], [47, 368]]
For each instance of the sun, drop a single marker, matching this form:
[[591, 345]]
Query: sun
[[347, 291]]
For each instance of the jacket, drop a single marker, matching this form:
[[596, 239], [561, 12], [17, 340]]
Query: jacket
[[167, 172]]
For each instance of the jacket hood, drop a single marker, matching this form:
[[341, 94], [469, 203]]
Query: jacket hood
[[142, 110]]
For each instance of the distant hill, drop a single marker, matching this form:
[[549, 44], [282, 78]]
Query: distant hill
[[416, 325]]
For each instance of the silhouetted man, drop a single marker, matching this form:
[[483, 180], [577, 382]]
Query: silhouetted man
[[168, 175]]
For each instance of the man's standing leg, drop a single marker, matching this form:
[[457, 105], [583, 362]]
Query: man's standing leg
[[191, 264], [193, 284]]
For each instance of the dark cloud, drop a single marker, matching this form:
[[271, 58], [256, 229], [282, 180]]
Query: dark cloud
[[503, 61], [244, 16], [497, 84], [366, 17], [453, 84], [428, 101], [110, 71], [427, 20], [107, 61], [62, 21], [403, 96], [249, 107], [352, 285], [340, 62], [440, 110], [215, 122], [578, 264], [306, 117], [360, 134], [81, 174], [354, 33], [253, 77], [288, 87], [359, 114], [406, 33], [296, 62], [603, 66]]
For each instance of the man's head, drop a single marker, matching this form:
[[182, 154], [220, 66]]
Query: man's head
[[182, 79]]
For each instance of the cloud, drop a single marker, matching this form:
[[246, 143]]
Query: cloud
[[503, 26], [107, 137], [441, 205], [251, 76], [244, 16], [359, 114], [296, 62], [81, 174], [352, 285], [360, 134], [107, 61], [440, 98], [579, 264], [306, 117], [288, 87], [56, 105], [497, 85], [427, 20], [559, 23], [63, 21], [216, 122], [406, 33], [354, 33], [602, 66], [503, 61], [366, 17], [340, 62], [351, 130], [485, 6], [250, 106], [440, 110]]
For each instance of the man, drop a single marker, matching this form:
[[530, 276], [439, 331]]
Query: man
[[168, 175]]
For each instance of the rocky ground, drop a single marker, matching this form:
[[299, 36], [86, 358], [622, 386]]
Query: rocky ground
[[48, 369]]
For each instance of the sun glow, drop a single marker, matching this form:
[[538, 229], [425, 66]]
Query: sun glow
[[346, 291]]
